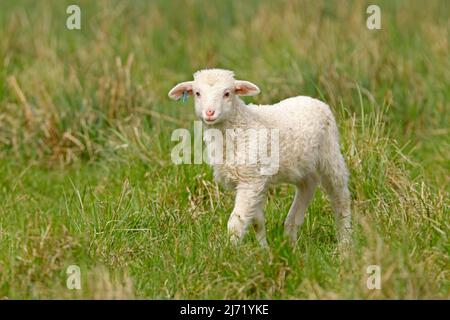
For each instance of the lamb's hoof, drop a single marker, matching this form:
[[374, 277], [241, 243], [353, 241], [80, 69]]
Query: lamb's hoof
[[234, 239], [291, 240], [263, 243], [344, 247]]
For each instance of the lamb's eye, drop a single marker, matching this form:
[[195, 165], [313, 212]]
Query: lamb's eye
[[197, 94], [226, 95]]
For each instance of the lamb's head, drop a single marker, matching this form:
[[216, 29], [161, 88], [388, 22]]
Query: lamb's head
[[214, 91]]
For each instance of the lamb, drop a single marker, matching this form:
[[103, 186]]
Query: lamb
[[309, 152]]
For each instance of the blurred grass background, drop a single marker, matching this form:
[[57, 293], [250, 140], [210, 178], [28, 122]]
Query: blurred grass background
[[85, 169]]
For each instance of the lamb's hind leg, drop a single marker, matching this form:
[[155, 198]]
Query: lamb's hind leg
[[335, 183], [303, 195]]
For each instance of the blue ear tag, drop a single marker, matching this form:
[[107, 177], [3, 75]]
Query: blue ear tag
[[185, 96]]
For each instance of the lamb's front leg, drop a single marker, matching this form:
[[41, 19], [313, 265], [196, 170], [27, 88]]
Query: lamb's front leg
[[260, 228], [247, 208]]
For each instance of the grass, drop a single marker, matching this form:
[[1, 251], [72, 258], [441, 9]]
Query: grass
[[86, 176]]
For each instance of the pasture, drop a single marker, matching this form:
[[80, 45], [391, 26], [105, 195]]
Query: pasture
[[86, 176]]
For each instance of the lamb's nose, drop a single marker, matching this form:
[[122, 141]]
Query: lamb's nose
[[210, 112]]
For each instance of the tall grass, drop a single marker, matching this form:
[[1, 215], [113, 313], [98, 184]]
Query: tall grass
[[86, 176]]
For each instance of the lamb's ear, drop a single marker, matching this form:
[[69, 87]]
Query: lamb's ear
[[245, 88], [178, 90]]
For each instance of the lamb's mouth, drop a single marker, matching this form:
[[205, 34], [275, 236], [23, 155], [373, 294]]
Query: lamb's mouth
[[210, 121]]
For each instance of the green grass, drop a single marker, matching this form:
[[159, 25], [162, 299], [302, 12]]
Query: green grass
[[85, 170]]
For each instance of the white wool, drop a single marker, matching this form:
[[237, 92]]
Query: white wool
[[309, 154], [214, 76]]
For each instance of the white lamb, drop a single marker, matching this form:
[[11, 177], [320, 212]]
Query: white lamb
[[309, 151]]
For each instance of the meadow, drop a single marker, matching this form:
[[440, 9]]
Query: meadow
[[86, 176]]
